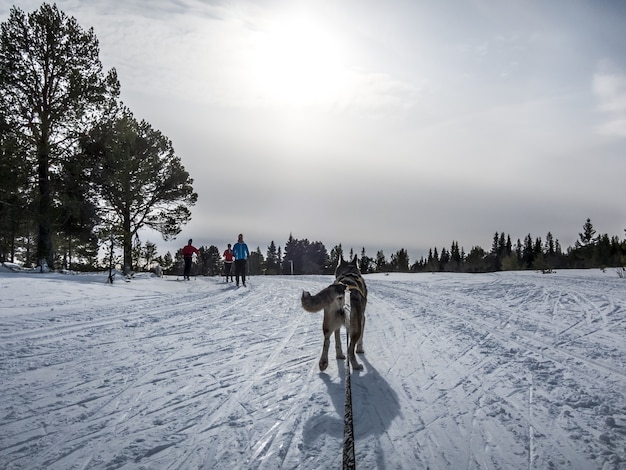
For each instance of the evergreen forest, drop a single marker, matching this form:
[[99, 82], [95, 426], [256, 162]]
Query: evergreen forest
[[305, 257]]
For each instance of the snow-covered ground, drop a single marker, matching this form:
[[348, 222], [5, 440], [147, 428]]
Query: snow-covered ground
[[514, 370]]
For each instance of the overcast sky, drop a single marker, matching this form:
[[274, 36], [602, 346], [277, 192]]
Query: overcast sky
[[384, 125]]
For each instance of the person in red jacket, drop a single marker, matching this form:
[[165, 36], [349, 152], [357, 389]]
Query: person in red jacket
[[228, 263], [188, 252]]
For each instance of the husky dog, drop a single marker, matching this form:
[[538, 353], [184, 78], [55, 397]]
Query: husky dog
[[336, 313]]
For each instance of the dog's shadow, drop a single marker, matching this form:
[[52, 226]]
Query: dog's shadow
[[374, 405]]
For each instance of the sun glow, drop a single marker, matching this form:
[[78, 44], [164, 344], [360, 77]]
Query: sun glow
[[298, 63]]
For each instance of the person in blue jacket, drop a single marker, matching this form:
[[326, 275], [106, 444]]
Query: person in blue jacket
[[241, 252]]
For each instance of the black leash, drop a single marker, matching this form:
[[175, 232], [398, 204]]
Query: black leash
[[349, 460]]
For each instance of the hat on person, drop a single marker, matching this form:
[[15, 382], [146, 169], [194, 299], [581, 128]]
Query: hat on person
[[190, 240]]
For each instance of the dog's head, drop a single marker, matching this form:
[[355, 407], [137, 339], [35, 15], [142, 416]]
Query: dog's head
[[345, 267]]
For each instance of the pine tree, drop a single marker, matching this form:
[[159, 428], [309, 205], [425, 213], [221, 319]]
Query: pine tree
[[168, 261], [51, 88], [256, 262], [476, 260], [291, 256], [15, 193], [496, 253], [272, 261], [400, 261], [381, 263], [335, 255], [549, 245], [76, 215], [149, 254], [365, 262], [587, 237], [519, 252], [455, 257], [537, 247], [139, 179], [444, 259], [495, 245], [528, 254]]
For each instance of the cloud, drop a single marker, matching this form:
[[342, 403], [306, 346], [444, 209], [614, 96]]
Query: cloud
[[377, 94], [610, 90], [615, 127], [244, 58], [609, 87]]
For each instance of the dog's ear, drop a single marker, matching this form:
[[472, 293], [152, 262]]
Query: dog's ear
[[354, 260]]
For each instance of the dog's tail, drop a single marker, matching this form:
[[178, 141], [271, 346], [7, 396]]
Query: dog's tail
[[315, 303], [311, 303]]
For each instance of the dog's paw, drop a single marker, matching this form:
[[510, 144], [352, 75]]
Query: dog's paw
[[323, 365], [355, 364], [360, 351], [341, 356]]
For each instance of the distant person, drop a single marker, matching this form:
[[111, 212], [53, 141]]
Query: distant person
[[241, 252], [188, 252], [228, 262]]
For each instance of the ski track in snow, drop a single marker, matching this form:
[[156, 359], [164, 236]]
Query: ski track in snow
[[491, 371]]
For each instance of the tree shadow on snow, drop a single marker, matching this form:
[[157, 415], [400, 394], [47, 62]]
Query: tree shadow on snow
[[374, 403]]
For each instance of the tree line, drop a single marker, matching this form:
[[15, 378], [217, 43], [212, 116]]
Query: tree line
[[533, 253], [589, 251], [79, 175]]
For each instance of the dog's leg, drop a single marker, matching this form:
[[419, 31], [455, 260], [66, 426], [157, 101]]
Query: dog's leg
[[324, 356], [355, 336], [353, 361], [338, 350], [357, 308], [359, 344], [327, 330]]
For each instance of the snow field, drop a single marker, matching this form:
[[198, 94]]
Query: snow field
[[488, 371]]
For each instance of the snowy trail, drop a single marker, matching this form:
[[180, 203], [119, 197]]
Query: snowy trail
[[499, 366], [508, 370]]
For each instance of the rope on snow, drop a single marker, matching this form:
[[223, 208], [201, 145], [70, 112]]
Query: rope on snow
[[349, 460]]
